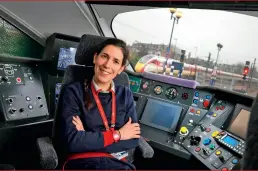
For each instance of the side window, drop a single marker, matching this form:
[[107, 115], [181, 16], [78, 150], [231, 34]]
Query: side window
[[13, 42]]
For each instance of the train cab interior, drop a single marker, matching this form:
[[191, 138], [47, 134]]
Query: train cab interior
[[190, 118]]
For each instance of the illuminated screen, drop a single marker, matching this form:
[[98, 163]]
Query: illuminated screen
[[57, 91], [231, 141], [240, 125], [161, 115], [135, 83], [66, 57]]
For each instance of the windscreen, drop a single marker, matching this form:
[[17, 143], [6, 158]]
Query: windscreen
[[217, 47]]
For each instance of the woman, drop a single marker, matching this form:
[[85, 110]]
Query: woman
[[98, 117]]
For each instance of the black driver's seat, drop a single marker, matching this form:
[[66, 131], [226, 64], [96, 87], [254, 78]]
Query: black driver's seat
[[51, 157]]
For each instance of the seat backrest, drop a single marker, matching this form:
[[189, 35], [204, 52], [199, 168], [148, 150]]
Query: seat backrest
[[74, 73]]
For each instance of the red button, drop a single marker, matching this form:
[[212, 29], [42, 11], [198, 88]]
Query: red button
[[217, 108], [222, 107], [222, 133], [192, 110], [224, 169], [197, 149], [206, 103], [207, 129], [18, 79]]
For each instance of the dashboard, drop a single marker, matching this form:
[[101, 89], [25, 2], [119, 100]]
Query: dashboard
[[178, 117]]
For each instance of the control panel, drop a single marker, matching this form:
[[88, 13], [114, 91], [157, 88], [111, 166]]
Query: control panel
[[186, 121], [212, 145], [21, 91]]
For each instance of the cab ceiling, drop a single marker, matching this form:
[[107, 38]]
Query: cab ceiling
[[45, 18], [67, 17]]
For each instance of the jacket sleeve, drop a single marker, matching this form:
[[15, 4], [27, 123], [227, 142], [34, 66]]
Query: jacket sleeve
[[78, 141], [124, 145]]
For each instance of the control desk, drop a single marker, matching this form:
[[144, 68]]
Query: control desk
[[180, 119], [21, 92]]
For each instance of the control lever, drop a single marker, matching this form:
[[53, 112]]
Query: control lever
[[222, 159], [195, 140], [205, 151]]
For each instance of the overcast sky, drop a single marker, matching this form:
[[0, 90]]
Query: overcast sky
[[238, 33]]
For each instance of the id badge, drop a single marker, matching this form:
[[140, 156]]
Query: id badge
[[120, 155]]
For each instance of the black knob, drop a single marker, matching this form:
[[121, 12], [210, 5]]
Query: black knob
[[10, 100], [21, 110], [12, 110], [195, 140], [5, 79]]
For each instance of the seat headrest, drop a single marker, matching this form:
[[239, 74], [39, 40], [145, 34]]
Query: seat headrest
[[86, 49]]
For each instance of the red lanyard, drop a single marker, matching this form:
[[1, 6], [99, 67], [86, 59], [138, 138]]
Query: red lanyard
[[101, 110]]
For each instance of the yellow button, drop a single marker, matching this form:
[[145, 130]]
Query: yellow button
[[198, 111], [214, 114], [183, 130], [218, 152], [215, 133]]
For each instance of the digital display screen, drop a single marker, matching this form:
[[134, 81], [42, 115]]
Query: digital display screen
[[66, 57], [161, 115], [57, 91], [231, 141], [135, 83], [239, 125]]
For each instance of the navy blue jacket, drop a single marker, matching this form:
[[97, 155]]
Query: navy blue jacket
[[95, 137]]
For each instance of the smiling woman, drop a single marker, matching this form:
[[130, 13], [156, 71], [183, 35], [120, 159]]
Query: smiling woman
[[108, 125], [214, 44]]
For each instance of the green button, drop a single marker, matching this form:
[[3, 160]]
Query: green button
[[212, 146]]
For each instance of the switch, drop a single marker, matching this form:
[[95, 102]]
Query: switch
[[18, 79], [212, 146], [202, 127], [222, 159], [197, 149], [184, 130], [205, 152], [207, 129], [30, 107], [206, 141], [10, 100], [12, 110], [195, 140], [21, 110], [206, 103], [218, 153], [234, 161], [5, 79], [215, 133]]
